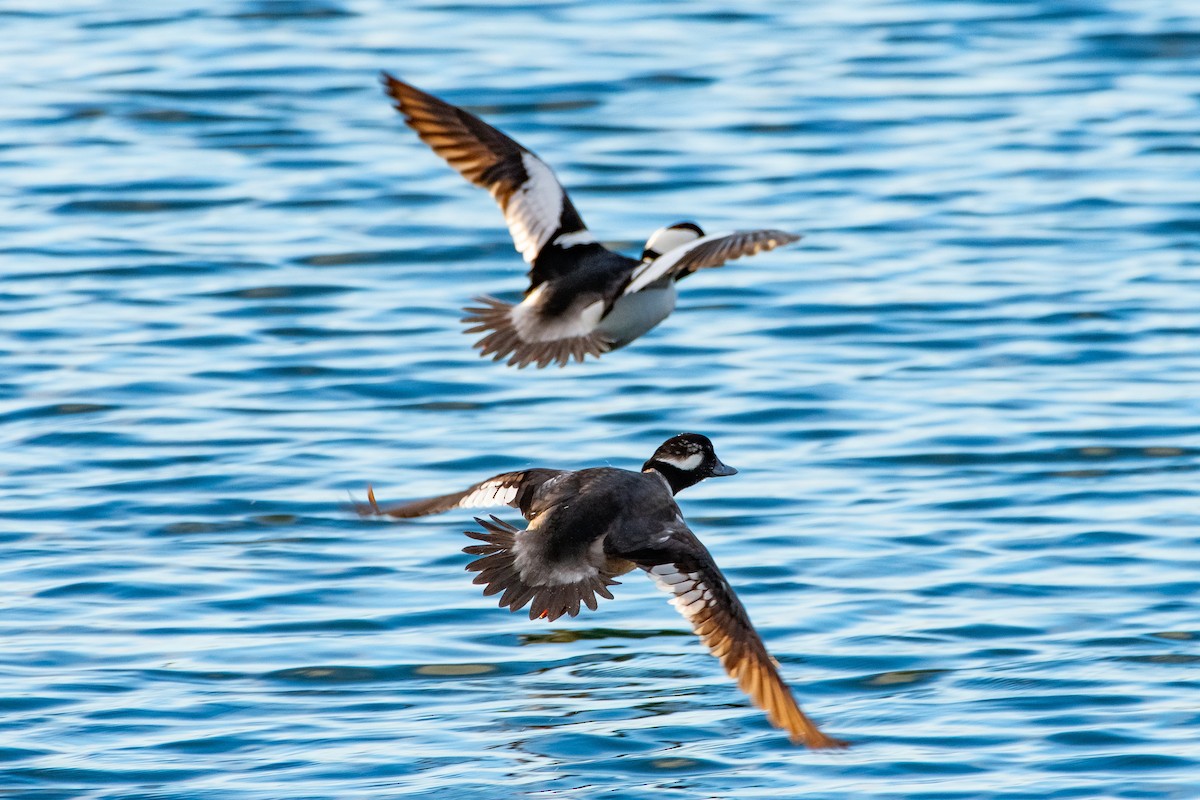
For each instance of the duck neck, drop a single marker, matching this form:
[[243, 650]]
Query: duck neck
[[676, 478]]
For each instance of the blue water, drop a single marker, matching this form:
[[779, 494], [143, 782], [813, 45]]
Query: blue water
[[966, 408]]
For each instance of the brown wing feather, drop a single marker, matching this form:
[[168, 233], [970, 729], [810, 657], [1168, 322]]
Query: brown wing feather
[[535, 205], [480, 153], [700, 592], [736, 245]]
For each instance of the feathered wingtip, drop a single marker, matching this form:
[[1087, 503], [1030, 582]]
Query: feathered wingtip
[[368, 509], [503, 340], [498, 572]]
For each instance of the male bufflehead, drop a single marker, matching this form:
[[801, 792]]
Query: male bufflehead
[[583, 299], [588, 526]]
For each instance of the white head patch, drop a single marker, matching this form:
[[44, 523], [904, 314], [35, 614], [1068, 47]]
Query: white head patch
[[665, 240], [686, 464]]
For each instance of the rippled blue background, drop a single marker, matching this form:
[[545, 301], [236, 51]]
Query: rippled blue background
[[965, 407]]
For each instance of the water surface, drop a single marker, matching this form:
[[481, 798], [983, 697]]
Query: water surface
[[964, 408]]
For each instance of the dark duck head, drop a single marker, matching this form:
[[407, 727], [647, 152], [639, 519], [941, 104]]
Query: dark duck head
[[685, 460]]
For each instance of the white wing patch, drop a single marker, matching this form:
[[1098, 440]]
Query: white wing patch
[[691, 595], [533, 210], [531, 326], [491, 493], [575, 237]]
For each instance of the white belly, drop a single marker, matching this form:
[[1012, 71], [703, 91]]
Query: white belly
[[634, 314]]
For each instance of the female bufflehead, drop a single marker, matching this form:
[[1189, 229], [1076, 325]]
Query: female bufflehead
[[583, 299], [588, 526]]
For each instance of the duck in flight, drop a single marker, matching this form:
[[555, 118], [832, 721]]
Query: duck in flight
[[583, 299], [589, 526]]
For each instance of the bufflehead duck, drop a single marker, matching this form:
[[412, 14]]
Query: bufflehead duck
[[586, 527], [583, 299]]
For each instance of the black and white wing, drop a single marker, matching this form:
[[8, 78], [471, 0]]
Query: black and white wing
[[514, 489], [682, 566], [707, 251], [540, 216], [524, 335]]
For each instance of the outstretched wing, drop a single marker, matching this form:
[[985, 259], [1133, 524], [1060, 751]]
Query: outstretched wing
[[508, 489], [707, 251], [683, 567], [540, 216]]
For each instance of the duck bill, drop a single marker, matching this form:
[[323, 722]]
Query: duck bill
[[722, 469]]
